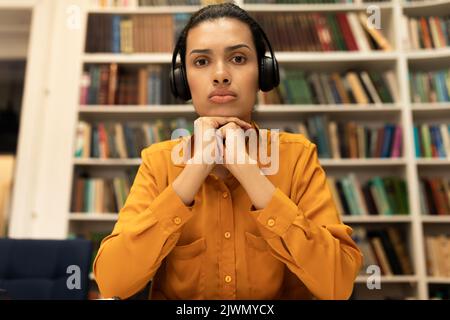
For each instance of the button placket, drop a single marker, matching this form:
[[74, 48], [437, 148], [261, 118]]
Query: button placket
[[228, 260]]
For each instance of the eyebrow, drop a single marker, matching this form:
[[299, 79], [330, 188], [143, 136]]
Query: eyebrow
[[227, 49]]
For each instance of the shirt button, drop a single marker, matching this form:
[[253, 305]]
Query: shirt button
[[227, 235], [177, 220], [228, 279], [225, 195], [271, 222]]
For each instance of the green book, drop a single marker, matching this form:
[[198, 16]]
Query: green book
[[350, 196], [392, 196], [379, 186], [426, 140]]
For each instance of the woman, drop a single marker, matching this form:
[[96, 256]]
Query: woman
[[226, 231]]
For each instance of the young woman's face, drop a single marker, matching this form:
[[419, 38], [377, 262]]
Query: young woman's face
[[221, 56]]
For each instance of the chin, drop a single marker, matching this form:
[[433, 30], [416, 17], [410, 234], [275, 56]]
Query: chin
[[222, 110]]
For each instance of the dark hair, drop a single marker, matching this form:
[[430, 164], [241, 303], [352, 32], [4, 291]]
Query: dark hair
[[223, 10]]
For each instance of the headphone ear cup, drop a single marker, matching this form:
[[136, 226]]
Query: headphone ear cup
[[179, 84], [269, 76], [173, 89], [276, 73]]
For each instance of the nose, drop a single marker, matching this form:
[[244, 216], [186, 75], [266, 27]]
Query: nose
[[221, 75]]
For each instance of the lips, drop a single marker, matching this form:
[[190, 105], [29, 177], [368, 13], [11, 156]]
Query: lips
[[222, 96], [222, 99]]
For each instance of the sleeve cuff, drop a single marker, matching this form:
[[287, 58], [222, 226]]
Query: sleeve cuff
[[278, 215]]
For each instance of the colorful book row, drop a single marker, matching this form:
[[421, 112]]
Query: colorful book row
[[338, 139], [384, 196], [122, 140], [349, 87]]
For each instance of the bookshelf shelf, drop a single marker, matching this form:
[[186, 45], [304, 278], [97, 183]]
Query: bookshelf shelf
[[429, 7], [427, 107], [144, 9], [249, 7], [305, 57], [327, 108], [390, 279], [282, 57], [133, 58], [107, 162], [438, 280], [166, 109], [77, 216], [433, 162], [430, 112], [314, 7], [377, 219], [429, 54], [362, 162], [14, 4], [435, 219]]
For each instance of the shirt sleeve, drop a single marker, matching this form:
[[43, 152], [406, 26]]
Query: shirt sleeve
[[148, 228], [305, 232]]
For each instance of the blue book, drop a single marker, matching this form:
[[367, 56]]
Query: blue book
[[437, 87], [94, 72], [334, 91], [442, 82], [131, 149], [321, 125], [417, 142], [95, 142], [115, 34], [386, 149], [437, 140]]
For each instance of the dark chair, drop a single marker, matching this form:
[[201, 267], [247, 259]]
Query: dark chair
[[44, 269]]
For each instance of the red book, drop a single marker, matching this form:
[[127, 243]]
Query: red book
[[396, 150], [347, 32], [103, 141]]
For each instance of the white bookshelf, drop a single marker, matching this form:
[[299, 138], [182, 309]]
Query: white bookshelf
[[57, 169]]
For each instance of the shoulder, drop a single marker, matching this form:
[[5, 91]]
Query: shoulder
[[166, 145], [160, 149], [295, 139]]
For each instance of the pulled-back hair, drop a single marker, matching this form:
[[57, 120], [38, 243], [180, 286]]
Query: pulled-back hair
[[223, 10]]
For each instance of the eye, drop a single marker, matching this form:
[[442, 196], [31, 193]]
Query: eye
[[239, 59], [200, 62]]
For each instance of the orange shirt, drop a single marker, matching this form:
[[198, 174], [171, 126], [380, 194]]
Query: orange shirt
[[221, 247]]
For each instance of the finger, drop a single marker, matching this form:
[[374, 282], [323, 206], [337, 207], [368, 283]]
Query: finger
[[224, 120], [240, 122], [229, 126], [219, 121]]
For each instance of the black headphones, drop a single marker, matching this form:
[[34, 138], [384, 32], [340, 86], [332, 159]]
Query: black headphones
[[269, 76]]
